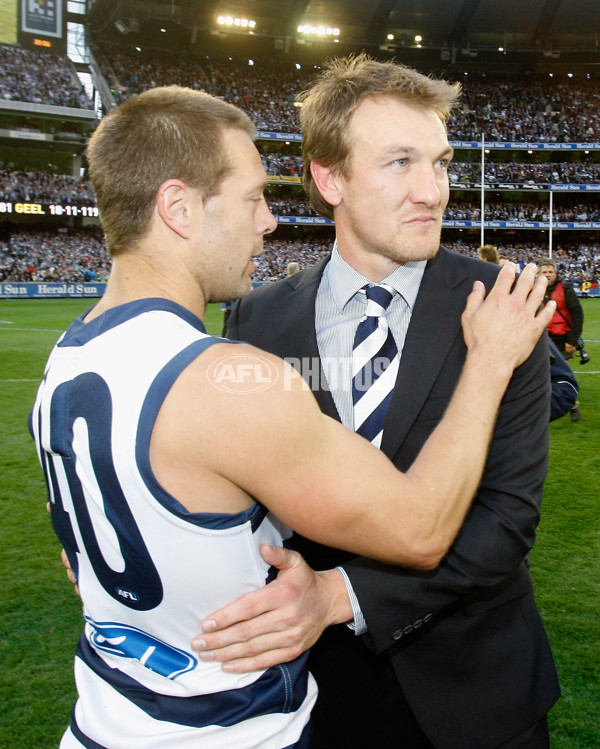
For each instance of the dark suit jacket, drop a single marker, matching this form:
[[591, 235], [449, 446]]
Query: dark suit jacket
[[466, 641]]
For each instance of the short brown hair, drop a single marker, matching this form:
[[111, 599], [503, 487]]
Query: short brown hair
[[165, 133], [329, 103], [489, 253], [547, 261]]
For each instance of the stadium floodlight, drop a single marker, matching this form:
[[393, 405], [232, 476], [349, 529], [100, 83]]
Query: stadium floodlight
[[240, 23], [318, 30]]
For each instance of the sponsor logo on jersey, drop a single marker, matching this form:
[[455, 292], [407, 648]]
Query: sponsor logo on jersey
[[125, 641]]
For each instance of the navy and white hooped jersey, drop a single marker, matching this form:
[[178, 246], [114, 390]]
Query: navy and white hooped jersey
[[148, 570]]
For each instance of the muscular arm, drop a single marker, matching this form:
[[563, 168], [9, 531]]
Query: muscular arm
[[317, 476]]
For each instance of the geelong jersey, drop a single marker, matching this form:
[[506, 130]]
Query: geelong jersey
[[148, 570]]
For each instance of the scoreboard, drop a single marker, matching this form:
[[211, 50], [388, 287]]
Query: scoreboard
[[42, 25], [13, 209]]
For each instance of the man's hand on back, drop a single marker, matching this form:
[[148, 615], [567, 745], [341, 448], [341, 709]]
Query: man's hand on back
[[277, 623]]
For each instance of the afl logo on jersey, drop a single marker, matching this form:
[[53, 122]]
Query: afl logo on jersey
[[128, 595], [242, 373]]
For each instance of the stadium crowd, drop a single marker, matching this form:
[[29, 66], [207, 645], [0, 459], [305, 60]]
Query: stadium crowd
[[502, 210], [568, 173], [19, 184], [527, 108], [63, 255], [266, 93], [44, 187], [290, 206], [39, 79], [503, 108], [77, 255]]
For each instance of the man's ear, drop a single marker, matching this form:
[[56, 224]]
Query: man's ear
[[174, 206], [327, 182]]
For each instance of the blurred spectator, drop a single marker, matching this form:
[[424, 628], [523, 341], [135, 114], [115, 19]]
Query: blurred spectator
[[567, 323], [566, 326], [489, 253], [278, 165]]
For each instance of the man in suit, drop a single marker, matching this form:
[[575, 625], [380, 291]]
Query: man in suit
[[455, 658]]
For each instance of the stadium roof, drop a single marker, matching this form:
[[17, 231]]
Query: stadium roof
[[449, 30]]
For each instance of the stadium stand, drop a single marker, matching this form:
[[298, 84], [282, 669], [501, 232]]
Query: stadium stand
[[505, 109], [39, 79]]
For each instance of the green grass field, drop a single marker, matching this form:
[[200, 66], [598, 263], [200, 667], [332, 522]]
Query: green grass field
[[40, 617]]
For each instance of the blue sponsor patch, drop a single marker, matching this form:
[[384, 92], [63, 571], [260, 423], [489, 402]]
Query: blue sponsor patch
[[126, 641]]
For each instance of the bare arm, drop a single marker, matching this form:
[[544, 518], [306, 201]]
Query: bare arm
[[317, 476]]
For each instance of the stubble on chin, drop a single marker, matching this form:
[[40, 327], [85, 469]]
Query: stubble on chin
[[412, 253], [411, 247]]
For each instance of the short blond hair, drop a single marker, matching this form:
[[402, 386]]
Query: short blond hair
[[329, 103], [165, 133]]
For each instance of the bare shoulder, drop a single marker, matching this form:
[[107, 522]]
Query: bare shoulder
[[219, 414], [236, 391], [222, 423], [227, 369]]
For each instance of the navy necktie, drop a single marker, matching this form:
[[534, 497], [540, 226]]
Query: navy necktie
[[375, 364]]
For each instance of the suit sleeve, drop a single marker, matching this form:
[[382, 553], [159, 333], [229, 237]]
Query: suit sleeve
[[487, 563]]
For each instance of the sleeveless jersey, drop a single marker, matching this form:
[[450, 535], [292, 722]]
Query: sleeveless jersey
[[148, 570]]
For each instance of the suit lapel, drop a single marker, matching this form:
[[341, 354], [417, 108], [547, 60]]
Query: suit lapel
[[433, 329], [295, 333]]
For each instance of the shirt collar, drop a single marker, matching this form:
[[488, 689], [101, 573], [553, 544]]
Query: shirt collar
[[345, 281]]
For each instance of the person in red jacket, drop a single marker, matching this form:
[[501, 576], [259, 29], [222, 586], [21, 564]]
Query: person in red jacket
[[567, 323]]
